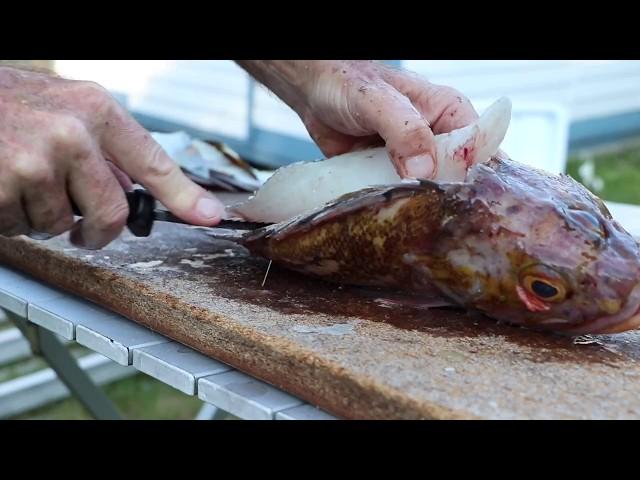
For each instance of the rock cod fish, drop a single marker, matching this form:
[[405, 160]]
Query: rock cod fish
[[519, 244]]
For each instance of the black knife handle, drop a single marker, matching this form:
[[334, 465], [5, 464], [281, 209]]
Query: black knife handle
[[141, 212]]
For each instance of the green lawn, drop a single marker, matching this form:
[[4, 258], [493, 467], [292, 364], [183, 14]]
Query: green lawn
[[619, 174], [138, 398]]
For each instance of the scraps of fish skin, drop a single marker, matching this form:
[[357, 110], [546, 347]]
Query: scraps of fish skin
[[166, 268], [586, 340], [423, 304], [228, 252], [145, 265], [194, 263], [337, 329], [384, 303]]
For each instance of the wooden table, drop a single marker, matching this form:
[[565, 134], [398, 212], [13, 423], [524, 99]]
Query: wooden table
[[332, 347]]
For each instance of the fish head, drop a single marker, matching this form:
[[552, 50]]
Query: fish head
[[538, 250]]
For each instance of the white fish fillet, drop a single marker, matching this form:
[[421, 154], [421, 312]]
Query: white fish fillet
[[303, 186]]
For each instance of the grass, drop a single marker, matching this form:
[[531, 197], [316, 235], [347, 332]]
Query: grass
[[613, 176], [137, 398]]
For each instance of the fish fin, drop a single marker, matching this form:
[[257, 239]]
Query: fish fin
[[390, 299], [342, 206]]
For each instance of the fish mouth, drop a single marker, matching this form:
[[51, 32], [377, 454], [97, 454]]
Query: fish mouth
[[626, 319], [631, 323]]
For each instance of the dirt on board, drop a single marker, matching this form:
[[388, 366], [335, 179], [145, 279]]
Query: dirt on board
[[349, 351]]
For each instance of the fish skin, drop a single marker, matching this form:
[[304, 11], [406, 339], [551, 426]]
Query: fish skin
[[359, 238]]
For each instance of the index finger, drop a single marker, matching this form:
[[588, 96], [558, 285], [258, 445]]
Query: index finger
[[133, 150], [383, 110]]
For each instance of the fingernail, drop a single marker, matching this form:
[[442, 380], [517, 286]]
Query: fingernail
[[209, 208], [420, 167]]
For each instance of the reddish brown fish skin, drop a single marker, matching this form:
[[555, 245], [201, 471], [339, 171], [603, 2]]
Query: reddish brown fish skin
[[346, 242], [476, 243]]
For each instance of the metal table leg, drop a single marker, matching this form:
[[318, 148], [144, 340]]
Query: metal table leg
[[47, 345]]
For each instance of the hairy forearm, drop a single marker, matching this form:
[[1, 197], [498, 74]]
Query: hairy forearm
[[286, 78]]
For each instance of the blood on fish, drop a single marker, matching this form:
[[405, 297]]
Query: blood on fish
[[466, 153]]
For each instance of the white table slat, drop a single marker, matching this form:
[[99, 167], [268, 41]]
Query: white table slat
[[18, 290], [52, 322], [96, 328], [304, 412], [244, 396], [176, 365]]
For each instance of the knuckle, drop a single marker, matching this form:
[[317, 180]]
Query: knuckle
[[417, 131], [69, 131], [93, 92], [14, 230], [10, 226], [32, 170], [453, 97], [50, 220], [6, 202], [158, 165], [447, 91], [91, 88], [97, 99], [61, 225], [113, 217]]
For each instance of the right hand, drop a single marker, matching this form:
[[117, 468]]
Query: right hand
[[349, 105], [64, 140]]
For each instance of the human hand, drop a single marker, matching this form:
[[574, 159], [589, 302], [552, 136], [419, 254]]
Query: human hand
[[64, 141]]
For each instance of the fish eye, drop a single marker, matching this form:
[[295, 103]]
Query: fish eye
[[544, 283], [543, 289]]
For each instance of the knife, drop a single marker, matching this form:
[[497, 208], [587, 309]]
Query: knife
[[143, 214]]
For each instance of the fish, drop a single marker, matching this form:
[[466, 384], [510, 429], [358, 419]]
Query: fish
[[488, 234]]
